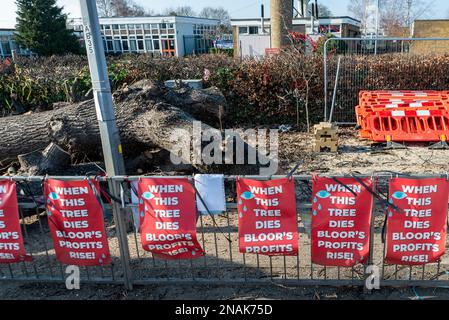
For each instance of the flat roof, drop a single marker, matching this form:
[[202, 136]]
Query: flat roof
[[150, 18], [302, 18], [431, 20], [159, 16]]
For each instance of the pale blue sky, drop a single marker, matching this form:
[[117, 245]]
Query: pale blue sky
[[237, 8]]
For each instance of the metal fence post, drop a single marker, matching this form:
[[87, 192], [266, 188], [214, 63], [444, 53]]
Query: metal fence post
[[334, 95], [371, 238], [122, 235], [325, 79]]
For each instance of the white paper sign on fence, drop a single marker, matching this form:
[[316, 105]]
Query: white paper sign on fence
[[211, 189]]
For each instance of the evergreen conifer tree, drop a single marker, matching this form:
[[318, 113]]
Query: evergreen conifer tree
[[41, 27]]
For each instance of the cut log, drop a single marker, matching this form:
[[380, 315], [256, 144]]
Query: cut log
[[39, 162], [144, 117]]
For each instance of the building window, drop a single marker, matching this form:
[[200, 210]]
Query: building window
[[133, 44], [109, 45], [156, 45], [140, 45], [125, 45], [330, 28], [117, 46], [253, 30], [6, 48], [243, 30], [149, 44]]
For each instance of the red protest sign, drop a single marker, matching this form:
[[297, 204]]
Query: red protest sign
[[416, 231], [75, 218], [267, 217], [167, 214], [11, 241], [341, 221]]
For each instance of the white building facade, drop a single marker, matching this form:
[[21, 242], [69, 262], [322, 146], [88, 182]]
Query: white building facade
[[8, 45], [252, 36], [166, 36]]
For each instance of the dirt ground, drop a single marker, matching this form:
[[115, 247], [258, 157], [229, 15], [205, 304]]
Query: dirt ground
[[224, 262], [356, 155], [170, 292]]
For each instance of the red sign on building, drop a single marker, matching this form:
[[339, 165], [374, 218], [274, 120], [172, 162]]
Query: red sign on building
[[341, 221], [267, 217], [75, 218], [416, 231]]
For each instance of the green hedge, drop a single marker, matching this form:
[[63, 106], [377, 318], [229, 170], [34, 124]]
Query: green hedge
[[229, 52], [272, 90]]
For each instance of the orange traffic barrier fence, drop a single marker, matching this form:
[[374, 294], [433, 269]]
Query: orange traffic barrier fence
[[385, 116]]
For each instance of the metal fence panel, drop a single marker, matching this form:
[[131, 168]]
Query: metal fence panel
[[223, 264], [361, 69]]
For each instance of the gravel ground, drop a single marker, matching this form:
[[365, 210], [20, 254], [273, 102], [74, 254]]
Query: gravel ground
[[355, 155]]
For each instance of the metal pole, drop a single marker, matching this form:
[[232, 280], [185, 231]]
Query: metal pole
[[377, 26], [325, 79], [337, 75], [262, 17], [110, 138]]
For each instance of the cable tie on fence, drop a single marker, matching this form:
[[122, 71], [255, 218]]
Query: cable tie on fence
[[290, 174], [344, 185], [134, 190], [208, 211], [109, 196], [122, 195], [96, 194], [416, 293], [382, 200], [106, 195], [27, 189]]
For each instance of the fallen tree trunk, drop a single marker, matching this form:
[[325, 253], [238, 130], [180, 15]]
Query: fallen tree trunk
[[74, 126], [144, 117]]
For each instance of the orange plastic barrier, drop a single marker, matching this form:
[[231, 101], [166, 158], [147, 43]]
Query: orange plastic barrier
[[403, 115]]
